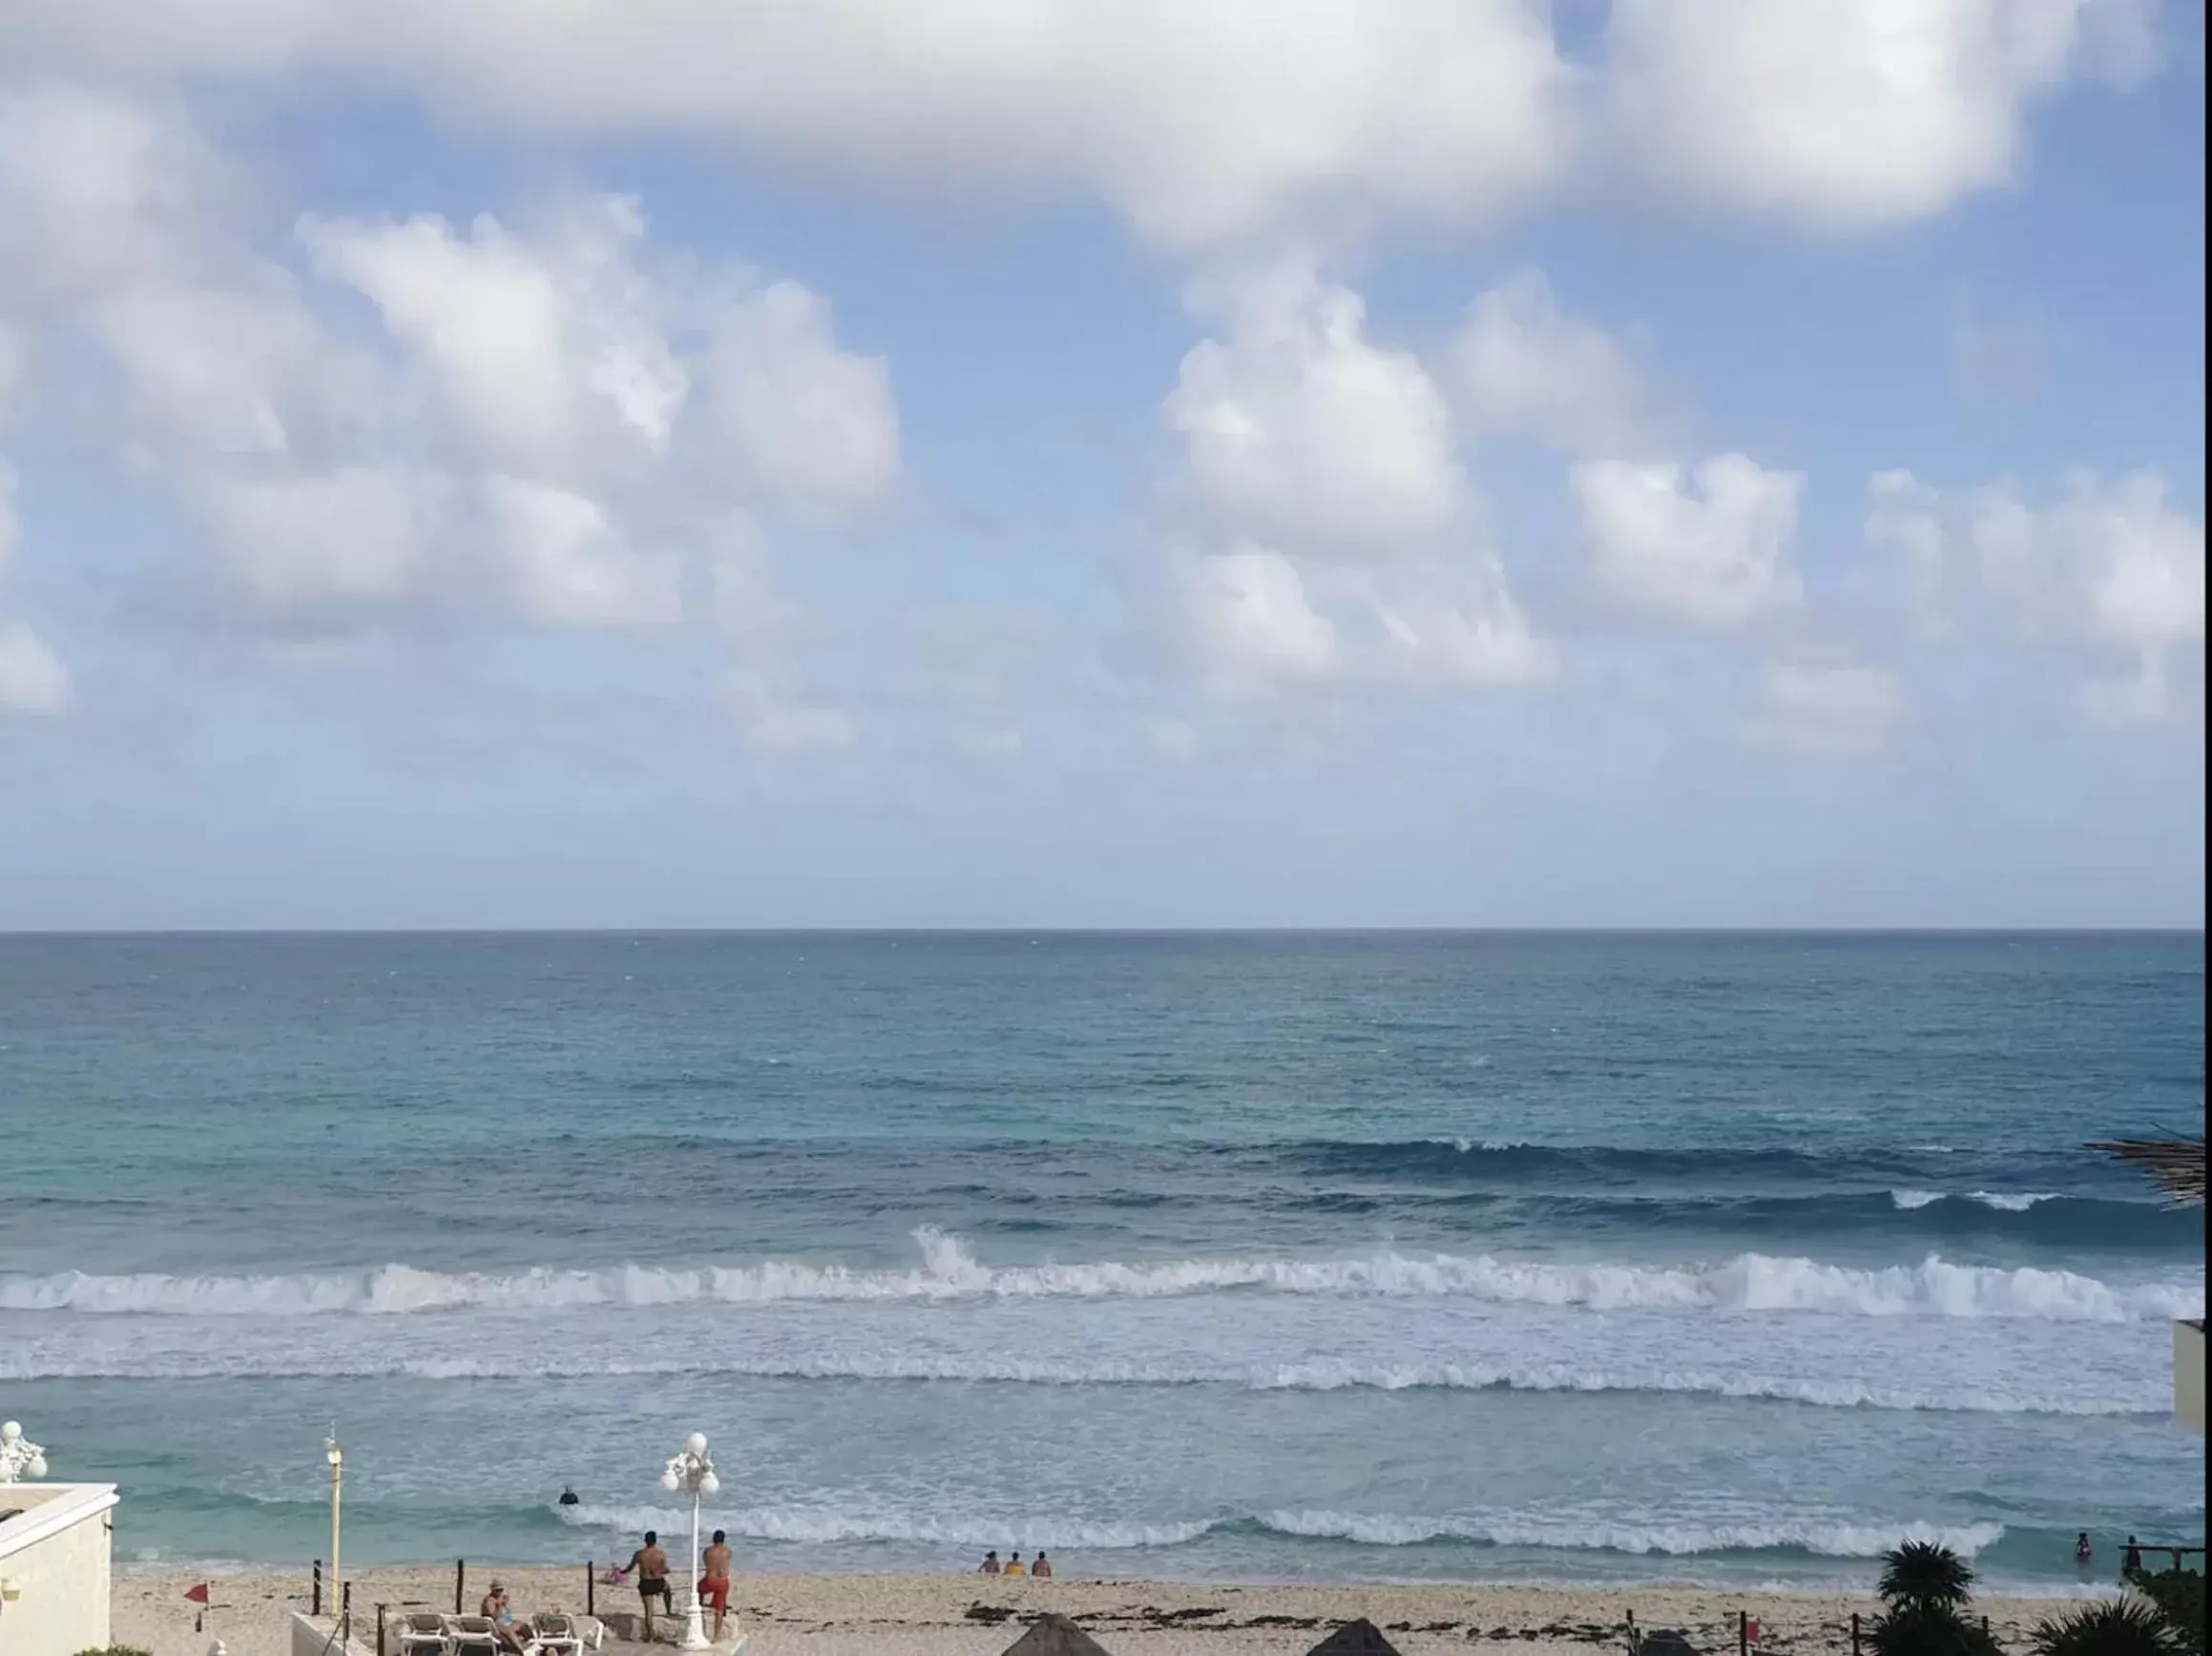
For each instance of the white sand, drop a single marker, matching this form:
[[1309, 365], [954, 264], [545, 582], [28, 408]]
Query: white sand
[[883, 1615]]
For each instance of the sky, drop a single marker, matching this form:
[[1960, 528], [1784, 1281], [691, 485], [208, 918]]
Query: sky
[[1026, 463]]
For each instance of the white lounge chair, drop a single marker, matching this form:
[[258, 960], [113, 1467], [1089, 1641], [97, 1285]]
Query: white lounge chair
[[554, 1634], [472, 1636], [422, 1633]]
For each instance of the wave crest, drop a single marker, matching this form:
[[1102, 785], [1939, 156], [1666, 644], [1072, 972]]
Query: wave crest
[[1749, 1282]]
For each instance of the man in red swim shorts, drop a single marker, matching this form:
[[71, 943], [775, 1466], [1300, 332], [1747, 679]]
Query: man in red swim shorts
[[714, 1582]]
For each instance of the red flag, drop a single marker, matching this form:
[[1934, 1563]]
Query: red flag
[[198, 1595]]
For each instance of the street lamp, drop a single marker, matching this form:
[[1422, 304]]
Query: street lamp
[[691, 1470], [336, 1456], [19, 1456]]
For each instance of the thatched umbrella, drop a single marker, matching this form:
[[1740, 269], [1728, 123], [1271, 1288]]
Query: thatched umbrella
[[2175, 1165], [1359, 1637], [1054, 1635]]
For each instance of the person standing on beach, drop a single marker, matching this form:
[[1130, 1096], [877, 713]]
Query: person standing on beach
[[714, 1582], [652, 1566]]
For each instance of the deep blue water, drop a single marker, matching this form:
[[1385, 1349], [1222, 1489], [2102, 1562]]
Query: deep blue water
[[1558, 1256]]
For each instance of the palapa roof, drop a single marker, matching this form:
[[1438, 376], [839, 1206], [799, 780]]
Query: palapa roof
[[2175, 1165], [1053, 1634], [1359, 1637]]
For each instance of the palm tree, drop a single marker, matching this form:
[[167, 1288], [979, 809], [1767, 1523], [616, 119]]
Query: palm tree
[[1924, 1575], [2175, 1165], [2129, 1627], [1925, 1588]]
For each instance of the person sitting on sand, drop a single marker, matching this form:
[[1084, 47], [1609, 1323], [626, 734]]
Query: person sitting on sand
[[990, 1564], [1042, 1569], [652, 1566], [1013, 1566], [502, 1616], [714, 1582]]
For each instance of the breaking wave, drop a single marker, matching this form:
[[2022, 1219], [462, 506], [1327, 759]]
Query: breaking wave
[[1823, 1537], [1323, 1374], [1749, 1282]]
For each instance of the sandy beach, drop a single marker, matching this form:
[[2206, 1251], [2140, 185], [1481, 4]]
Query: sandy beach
[[889, 1615]]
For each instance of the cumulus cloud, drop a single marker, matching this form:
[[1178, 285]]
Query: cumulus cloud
[[1297, 426], [1202, 123], [1326, 528], [1849, 114], [1246, 620], [1710, 549], [1523, 366], [536, 423], [2109, 570], [31, 678]]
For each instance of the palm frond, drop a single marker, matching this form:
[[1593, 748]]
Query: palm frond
[[2175, 1165]]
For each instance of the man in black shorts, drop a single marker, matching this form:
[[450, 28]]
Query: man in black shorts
[[652, 1566]]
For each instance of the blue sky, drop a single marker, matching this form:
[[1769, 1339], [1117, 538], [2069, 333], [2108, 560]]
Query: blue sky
[[692, 463]]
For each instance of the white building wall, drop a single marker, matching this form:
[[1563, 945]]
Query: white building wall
[[58, 1556], [2189, 1375]]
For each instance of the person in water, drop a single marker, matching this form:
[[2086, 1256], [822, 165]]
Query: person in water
[[1013, 1566], [567, 1496], [2084, 1554], [2131, 1562], [1042, 1569], [990, 1564], [652, 1566]]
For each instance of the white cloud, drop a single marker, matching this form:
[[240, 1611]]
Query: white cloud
[[812, 426], [1835, 710], [1711, 550], [324, 546], [1436, 632], [1297, 429], [31, 678], [95, 190], [2109, 570], [1202, 123], [1247, 621], [1522, 365], [566, 563], [539, 351], [1849, 114]]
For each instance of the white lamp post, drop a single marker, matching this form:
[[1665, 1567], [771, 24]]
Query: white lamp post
[[19, 1457], [691, 1470], [336, 1456]]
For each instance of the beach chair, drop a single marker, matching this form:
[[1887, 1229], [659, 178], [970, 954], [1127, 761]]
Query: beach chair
[[554, 1634], [472, 1636], [422, 1633]]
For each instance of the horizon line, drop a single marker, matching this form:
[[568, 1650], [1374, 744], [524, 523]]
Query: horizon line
[[1063, 930]]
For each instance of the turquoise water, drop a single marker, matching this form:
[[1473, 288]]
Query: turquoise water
[[1581, 1258]]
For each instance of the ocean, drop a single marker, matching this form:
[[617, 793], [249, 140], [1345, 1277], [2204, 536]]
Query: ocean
[[1548, 1257]]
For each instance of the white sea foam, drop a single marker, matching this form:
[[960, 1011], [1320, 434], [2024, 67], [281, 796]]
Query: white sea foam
[[1678, 1537], [821, 1526], [1325, 1375], [1750, 1282], [2004, 1201], [1825, 1538]]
